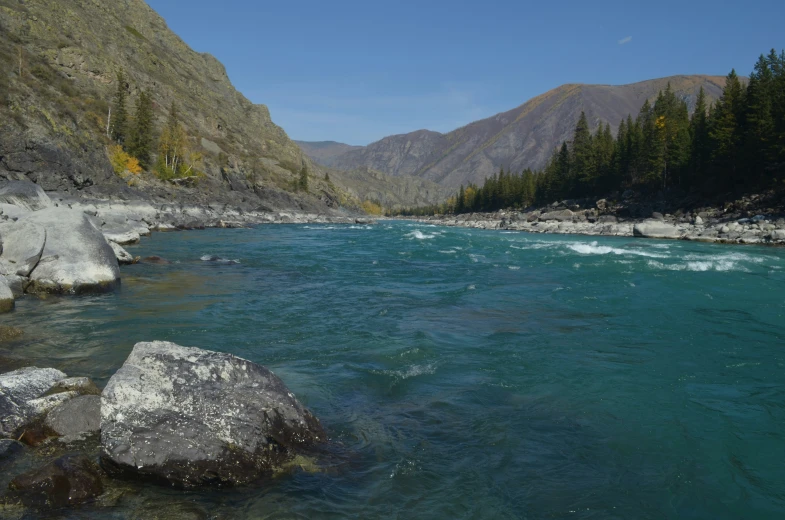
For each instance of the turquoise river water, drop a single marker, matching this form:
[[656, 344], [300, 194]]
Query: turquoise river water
[[470, 374]]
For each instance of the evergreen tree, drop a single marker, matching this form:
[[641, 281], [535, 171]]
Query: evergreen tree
[[699, 147], [302, 183], [582, 162], [140, 139], [460, 202], [119, 122], [725, 135]]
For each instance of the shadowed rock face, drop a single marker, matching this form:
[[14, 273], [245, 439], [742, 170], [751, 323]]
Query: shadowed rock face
[[524, 137], [25, 194], [192, 417]]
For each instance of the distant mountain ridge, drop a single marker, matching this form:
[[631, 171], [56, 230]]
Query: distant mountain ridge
[[523, 137]]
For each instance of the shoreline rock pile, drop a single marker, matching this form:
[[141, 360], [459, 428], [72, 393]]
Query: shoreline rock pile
[[179, 416]]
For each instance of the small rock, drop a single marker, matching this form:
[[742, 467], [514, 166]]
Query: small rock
[[123, 256], [18, 392], [564, 215], [778, 235], [698, 221], [122, 238], [68, 481], [657, 216], [77, 416], [157, 260], [80, 385]]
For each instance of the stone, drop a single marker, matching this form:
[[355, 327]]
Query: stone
[[123, 256], [76, 416], [80, 385], [9, 450], [655, 229], [725, 229], [7, 301], [157, 260], [23, 243], [778, 235], [698, 221], [564, 215], [191, 417], [25, 194], [10, 333], [68, 481], [76, 257], [20, 388], [657, 216], [122, 238], [11, 212]]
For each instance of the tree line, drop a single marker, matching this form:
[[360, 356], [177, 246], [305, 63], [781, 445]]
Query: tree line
[[730, 147], [135, 136]]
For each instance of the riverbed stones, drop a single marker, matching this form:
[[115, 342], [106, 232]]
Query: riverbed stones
[[25, 194], [564, 215], [191, 417], [123, 256], [20, 394], [23, 244], [76, 257], [68, 481], [655, 229]]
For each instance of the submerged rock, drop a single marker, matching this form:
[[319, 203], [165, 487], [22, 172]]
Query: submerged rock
[[191, 417], [25, 194], [157, 260], [10, 333], [76, 257], [218, 260], [9, 450], [68, 481]]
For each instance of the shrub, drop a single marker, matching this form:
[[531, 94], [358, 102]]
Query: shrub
[[372, 208], [122, 162]]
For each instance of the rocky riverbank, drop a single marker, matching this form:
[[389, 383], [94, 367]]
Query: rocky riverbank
[[754, 224]]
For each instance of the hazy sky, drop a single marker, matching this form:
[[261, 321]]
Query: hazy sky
[[356, 71]]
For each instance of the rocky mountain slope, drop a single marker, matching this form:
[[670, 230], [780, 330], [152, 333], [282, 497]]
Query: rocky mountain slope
[[522, 137], [324, 151], [58, 71], [392, 191]]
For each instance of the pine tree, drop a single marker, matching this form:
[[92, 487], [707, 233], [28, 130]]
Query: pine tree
[[140, 139], [302, 183], [699, 147], [119, 122], [582, 158], [725, 133]]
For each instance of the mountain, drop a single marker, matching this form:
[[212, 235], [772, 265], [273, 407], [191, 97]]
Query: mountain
[[392, 191], [59, 61], [324, 151], [523, 137]]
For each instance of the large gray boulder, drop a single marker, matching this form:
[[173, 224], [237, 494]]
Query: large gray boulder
[[6, 296], [23, 243], [655, 229], [564, 215], [76, 257], [25, 194], [191, 417], [21, 392]]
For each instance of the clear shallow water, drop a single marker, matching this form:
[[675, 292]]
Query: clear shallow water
[[472, 374]]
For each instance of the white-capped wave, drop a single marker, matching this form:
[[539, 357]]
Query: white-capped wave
[[449, 252], [419, 235], [594, 248], [720, 265]]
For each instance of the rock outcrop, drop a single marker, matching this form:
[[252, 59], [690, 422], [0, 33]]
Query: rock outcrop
[[25, 194], [192, 417], [23, 244]]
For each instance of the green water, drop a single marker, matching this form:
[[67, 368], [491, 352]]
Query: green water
[[471, 374]]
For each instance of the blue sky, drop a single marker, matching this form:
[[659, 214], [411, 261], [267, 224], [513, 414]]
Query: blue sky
[[356, 71]]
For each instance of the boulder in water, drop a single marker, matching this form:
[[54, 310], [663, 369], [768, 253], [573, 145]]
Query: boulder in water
[[68, 481], [25, 194], [192, 417], [20, 392], [123, 256], [655, 229], [76, 257], [23, 243]]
